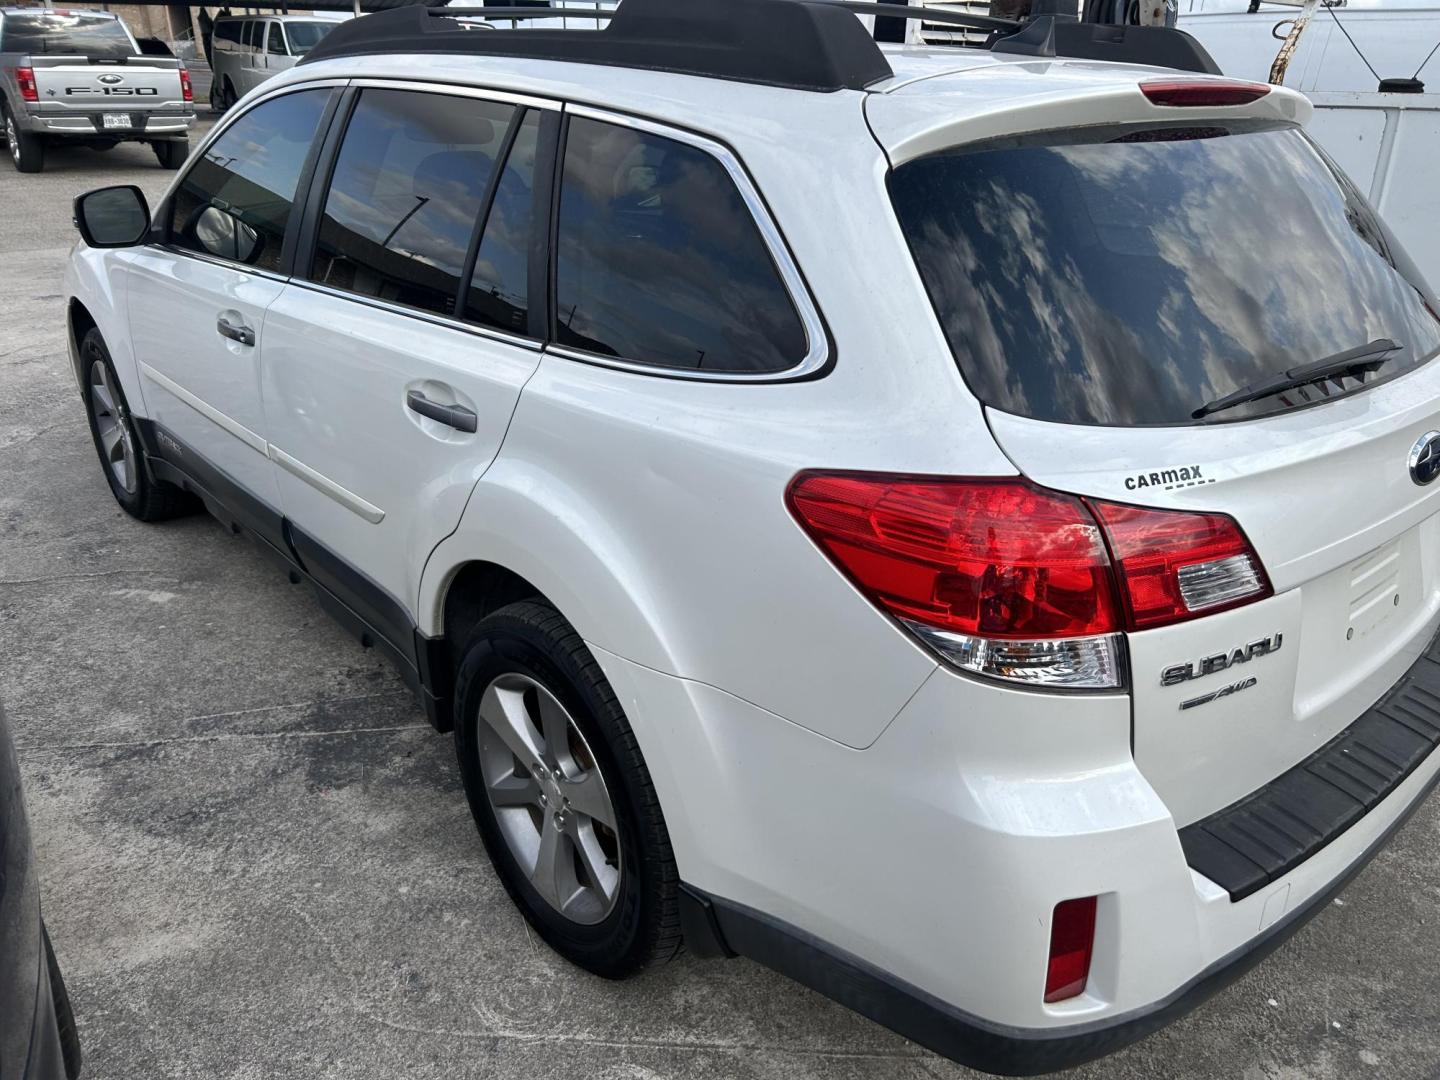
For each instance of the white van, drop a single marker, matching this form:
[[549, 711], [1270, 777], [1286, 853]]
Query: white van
[[1388, 142], [245, 51]]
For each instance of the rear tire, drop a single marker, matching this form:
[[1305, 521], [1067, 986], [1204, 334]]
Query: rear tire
[[229, 95], [111, 427], [27, 152], [64, 1014], [172, 152], [610, 900]]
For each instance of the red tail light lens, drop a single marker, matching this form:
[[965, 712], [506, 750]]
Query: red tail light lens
[[1008, 579], [1204, 93], [26, 78], [1174, 566], [1000, 559], [186, 90], [1072, 942], [999, 577]]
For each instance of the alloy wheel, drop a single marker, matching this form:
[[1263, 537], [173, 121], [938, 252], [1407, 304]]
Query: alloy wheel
[[117, 450], [551, 802]]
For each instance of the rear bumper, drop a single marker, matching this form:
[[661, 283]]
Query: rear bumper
[[90, 125], [914, 881], [715, 927]]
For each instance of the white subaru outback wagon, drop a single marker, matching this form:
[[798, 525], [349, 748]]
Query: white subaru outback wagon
[[957, 526]]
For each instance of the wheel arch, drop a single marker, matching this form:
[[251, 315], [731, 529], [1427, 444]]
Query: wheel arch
[[95, 300], [521, 536], [79, 322]]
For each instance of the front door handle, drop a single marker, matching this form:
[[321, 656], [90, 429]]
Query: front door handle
[[456, 416], [243, 334]]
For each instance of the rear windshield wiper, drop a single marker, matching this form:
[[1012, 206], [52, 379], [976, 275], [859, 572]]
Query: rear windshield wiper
[[1356, 361]]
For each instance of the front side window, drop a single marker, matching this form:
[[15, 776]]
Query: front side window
[[660, 262], [500, 285], [277, 40], [1132, 277], [237, 201], [405, 196]]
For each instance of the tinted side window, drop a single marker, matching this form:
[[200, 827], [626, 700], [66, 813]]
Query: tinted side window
[[660, 260], [405, 195], [277, 40], [228, 31], [251, 173], [499, 288]]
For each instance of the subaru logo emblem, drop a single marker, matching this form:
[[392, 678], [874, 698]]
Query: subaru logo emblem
[[1425, 458], [111, 80]]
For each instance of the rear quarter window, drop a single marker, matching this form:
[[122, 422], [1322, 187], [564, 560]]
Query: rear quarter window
[[1129, 277], [660, 261]]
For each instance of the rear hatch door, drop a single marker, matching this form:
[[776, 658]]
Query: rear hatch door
[[1120, 295]]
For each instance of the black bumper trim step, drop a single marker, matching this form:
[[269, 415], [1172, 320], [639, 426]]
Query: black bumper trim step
[[1271, 831]]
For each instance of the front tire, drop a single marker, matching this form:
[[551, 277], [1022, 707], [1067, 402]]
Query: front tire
[[561, 795], [113, 429], [172, 152], [64, 1012], [27, 152]]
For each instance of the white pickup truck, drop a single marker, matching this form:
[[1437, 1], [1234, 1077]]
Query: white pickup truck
[[79, 76]]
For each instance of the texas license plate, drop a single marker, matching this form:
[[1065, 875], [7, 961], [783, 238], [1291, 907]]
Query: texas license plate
[[115, 120]]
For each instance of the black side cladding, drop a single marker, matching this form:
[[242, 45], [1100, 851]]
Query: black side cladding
[[1273, 830], [795, 44]]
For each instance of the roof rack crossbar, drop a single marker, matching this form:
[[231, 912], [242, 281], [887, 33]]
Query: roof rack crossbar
[[860, 7], [800, 44]]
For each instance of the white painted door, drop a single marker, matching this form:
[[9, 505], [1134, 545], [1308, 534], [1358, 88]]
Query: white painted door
[[197, 304], [385, 405]]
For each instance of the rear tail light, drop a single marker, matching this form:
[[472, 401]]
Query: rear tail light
[[26, 78], [1204, 93], [186, 90], [1072, 942], [1007, 579], [1174, 566]]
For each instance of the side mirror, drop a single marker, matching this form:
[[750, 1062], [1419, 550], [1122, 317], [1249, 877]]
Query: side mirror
[[112, 217], [225, 236]]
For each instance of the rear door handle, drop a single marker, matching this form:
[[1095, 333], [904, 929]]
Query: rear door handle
[[456, 416], [243, 334]]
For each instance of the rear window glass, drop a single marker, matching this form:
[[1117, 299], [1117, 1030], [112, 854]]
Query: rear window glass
[[1132, 278], [304, 36], [68, 34]]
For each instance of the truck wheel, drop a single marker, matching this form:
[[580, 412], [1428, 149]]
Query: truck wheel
[[26, 151], [172, 152], [561, 795], [218, 101]]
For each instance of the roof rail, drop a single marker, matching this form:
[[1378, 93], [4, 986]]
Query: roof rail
[[799, 44]]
